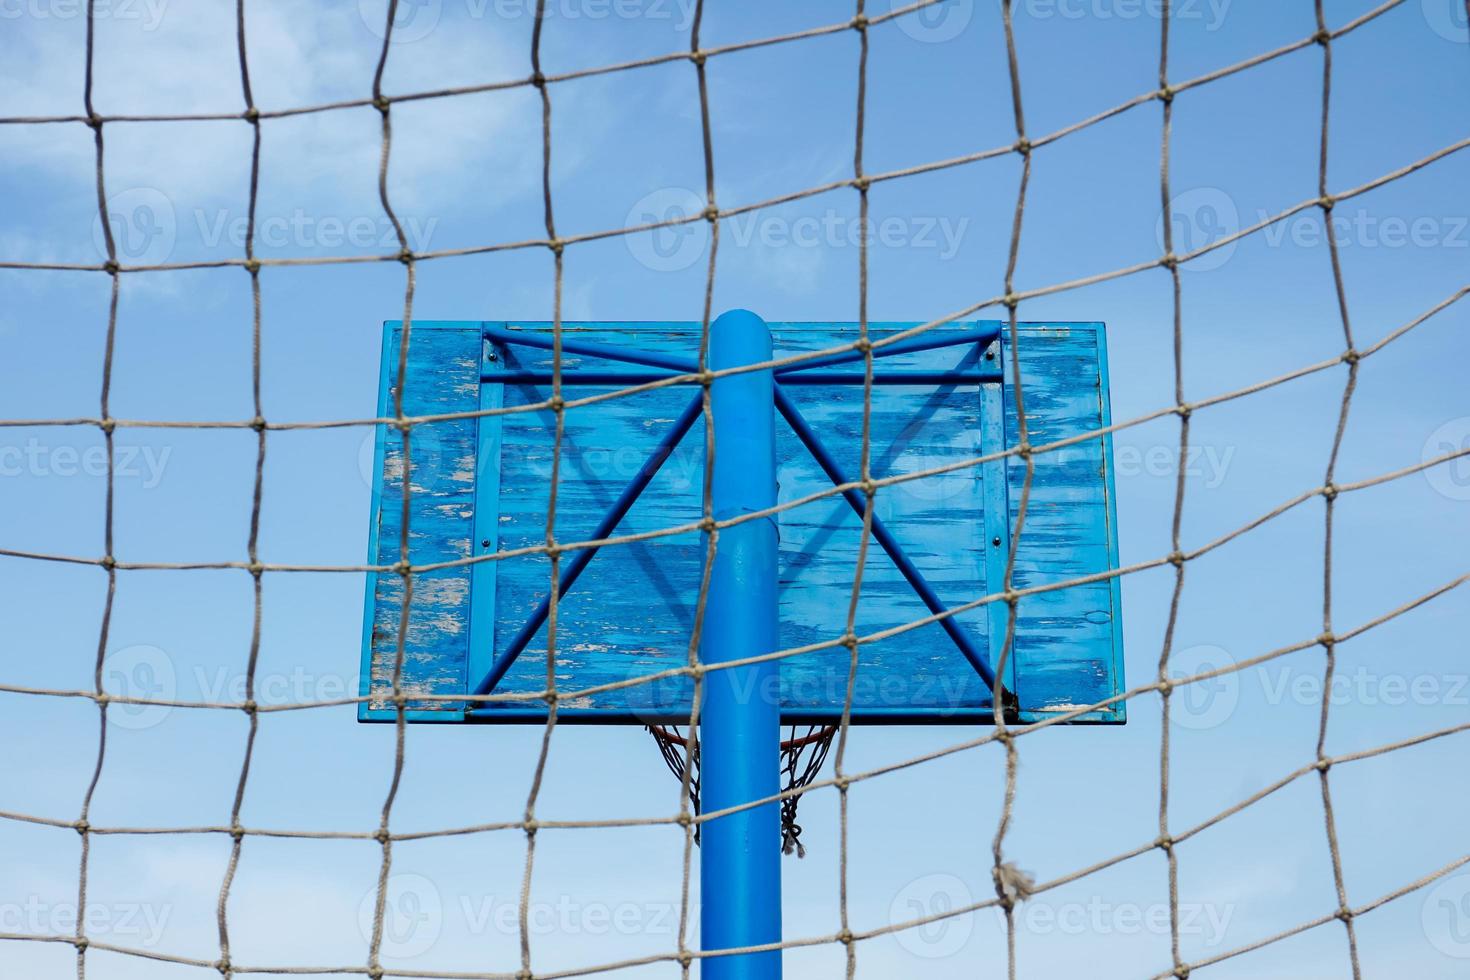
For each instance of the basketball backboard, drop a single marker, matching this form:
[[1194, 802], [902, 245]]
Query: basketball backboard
[[480, 485]]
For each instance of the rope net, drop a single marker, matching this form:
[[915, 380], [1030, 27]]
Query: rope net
[[1012, 887]]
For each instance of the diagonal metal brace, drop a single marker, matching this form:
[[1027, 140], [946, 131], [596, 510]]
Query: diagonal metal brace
[[889, 543], [935, 340], [586, 348], [605, 527]]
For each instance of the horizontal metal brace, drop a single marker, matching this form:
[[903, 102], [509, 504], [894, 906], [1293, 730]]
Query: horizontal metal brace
[[958, 376]]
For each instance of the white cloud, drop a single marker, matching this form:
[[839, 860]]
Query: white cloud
[[450, 155]]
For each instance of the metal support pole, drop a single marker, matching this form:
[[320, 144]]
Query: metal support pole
[[740, 726]]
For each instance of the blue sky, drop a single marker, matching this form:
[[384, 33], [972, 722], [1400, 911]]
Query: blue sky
[[466, 171]]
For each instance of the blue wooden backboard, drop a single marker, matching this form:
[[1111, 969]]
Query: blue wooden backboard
[[480, 485]]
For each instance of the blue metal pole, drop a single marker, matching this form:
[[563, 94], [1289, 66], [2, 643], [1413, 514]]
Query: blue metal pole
[[740, 726]]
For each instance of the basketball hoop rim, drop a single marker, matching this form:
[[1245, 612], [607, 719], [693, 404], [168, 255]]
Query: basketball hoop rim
[[818, 734]]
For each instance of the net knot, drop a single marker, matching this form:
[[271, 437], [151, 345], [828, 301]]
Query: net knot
[[708, 525], [94, 121], [845, 937], [849, 640], [698, 58], [1024, 450], [684, 819], [860, 22], [111, 267], [530, 825], [108, 562], [251, 115], [862, 345], [81, 943], [1330, 491], [1184, 410], [223, 966], [1343, 915], [685, 958], [405, 255], [1323, 37], [1177, 559], [237, 833], [1351, 356], [1166, 687], [1327, 640], [1012, 885], [249, 706], [102, 698], [402, 567], [107, 425], [381, 103], [375, 972], [711, 214], [255, 568], [81, 826], [258, 424], [1322, 765], [556, 403], [252, 266], [1011, 597], [1166, 94], [1170, 261], [1327, 202], [550, 697], [402, 425], [400, 700], [1165, 843], [862, 183], [557, 246], [1023, 146], [1181, 972], [842, 783], [538, 80], [381, 836]]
